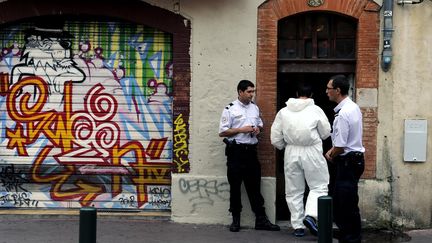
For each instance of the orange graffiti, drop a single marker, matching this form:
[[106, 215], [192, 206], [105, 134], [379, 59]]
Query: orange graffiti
[[4, 83], [87, 193], [32, 121], [155, 147], [17, 140], [49, 123], [26, 112], [147, 173]]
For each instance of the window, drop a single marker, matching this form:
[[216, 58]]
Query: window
[[316, 36]]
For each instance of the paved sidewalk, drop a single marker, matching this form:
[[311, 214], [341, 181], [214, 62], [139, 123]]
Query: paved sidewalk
[[54, 229], [421, 236]]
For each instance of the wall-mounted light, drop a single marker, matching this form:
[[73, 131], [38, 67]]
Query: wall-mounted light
[[403, 2], [386, 60]]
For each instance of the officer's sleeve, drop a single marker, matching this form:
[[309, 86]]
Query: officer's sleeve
[[323, 125], [276, 133], [341, 131], [260, 123], [225, 121]]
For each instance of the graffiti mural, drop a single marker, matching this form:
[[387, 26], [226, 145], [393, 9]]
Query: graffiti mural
[[86, 116]]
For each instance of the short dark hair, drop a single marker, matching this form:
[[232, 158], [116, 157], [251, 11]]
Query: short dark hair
[[243, 85], [341, 82], [304, 90]]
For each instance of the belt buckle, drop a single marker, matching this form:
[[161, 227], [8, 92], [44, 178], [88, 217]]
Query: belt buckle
[[358, 154]]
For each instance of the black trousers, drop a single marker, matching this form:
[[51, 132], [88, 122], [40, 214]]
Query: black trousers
[[243, 166], [349, 168]]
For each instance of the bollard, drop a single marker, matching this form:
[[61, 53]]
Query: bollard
[[325, 219], [87, 228]]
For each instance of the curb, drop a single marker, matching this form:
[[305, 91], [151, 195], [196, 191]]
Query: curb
[[68, 213]]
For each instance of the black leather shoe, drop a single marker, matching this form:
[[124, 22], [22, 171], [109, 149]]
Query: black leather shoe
[[262, 223], [235, 225]]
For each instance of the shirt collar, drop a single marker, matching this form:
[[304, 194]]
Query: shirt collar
[[341, 104], [242, 104]]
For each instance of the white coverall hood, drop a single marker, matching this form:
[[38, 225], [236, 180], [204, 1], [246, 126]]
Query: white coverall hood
[[298, 104], [300, 123]]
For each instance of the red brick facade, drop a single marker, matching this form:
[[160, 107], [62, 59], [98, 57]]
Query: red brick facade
[[366, 12]]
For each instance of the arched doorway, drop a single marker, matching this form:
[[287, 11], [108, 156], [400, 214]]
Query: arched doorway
[[365, 13], [312, 47]]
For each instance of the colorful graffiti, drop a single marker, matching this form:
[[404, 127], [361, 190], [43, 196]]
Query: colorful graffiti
[[86, 117]]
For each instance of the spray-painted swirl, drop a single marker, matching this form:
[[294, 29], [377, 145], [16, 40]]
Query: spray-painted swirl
[[102, 106], [107, 135], [82, 127]]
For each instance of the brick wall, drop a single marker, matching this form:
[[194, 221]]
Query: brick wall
[[269, 13]]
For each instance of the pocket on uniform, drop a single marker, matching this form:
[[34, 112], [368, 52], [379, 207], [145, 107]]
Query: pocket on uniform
[[238, 116], [359, 167]]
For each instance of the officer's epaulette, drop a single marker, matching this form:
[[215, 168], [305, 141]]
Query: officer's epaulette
[[228, 106]]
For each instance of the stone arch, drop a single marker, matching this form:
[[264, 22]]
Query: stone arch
[[366, 12]]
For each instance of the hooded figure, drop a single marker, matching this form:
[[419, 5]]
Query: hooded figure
[[299, 128]]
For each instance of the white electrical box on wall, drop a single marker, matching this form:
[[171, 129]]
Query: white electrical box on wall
[[415, 140]]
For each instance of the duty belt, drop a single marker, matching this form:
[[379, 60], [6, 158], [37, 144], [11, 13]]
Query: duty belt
[[244, 146], [355, 154]]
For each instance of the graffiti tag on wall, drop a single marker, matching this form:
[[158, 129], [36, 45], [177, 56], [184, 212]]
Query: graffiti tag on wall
[[203, 192], [181, 150], [86, 112]]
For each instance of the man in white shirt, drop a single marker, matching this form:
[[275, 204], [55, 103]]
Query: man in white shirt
[[240, 124], [299, 129], [347, 154]]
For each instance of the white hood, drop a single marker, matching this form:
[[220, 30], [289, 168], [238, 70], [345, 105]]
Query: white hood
[[298, 104], [300, 123]]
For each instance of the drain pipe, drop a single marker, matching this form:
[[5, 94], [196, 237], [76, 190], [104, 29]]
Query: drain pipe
[[386, 56]]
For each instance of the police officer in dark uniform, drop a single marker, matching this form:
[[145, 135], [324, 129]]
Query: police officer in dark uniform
[[240, 124]]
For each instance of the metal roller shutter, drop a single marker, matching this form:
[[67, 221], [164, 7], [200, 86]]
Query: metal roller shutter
[[86, 115]]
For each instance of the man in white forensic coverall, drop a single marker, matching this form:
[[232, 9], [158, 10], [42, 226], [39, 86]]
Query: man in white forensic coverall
[[299, 128]]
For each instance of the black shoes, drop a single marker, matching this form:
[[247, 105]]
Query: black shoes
[[299, 232], [262, 223], [337, 234], [235, 226], [311, 224]]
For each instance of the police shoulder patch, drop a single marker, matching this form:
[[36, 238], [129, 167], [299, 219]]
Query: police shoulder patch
[[228, 106]]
